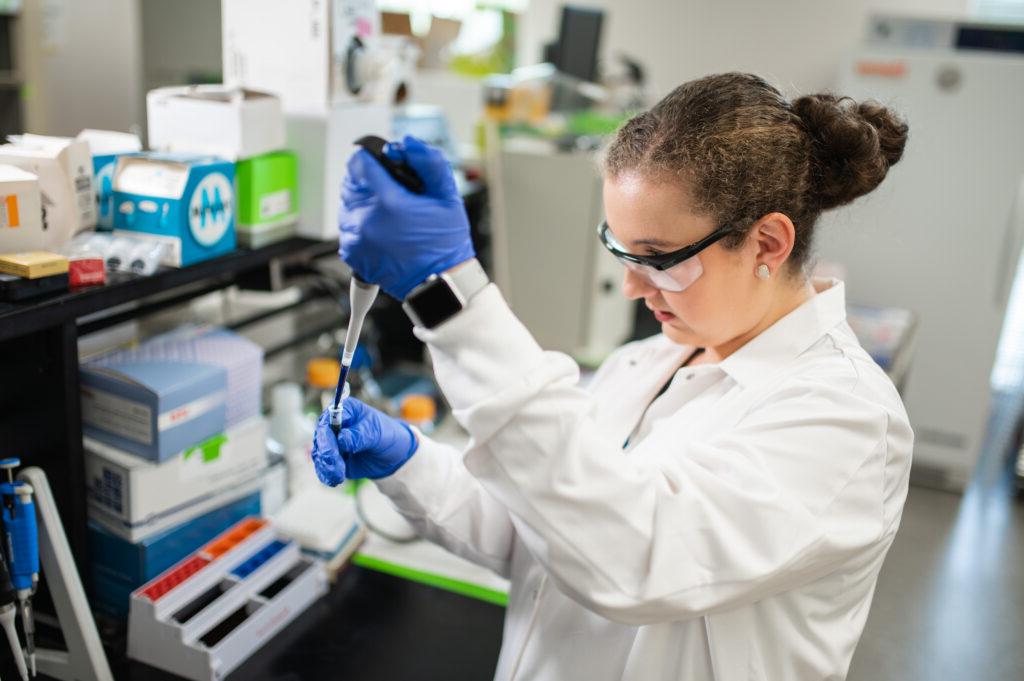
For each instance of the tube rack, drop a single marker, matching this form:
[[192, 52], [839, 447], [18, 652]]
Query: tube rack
[[207, 614]]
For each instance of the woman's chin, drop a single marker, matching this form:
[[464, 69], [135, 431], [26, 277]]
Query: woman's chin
[[678, 335]]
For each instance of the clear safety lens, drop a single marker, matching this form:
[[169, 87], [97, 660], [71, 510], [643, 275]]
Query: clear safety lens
[[676, 278]]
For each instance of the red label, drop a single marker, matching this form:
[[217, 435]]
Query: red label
[[883, 69]]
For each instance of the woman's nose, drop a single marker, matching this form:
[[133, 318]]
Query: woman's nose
[[634, 286]]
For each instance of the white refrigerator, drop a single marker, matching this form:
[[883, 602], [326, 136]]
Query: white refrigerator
[[942, 235]]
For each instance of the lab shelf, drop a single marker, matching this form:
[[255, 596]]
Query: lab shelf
[[18, 319], [40, 414]]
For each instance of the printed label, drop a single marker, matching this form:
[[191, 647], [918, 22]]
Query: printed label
[[192, 410], [108, 489], [208, 460], [276, 203], [86, 200], [117, 415], [9, 211]]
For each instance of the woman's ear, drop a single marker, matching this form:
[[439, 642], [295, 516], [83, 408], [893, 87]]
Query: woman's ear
[[774, 235]]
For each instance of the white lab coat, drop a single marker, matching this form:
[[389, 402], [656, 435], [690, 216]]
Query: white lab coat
[[738, 537]]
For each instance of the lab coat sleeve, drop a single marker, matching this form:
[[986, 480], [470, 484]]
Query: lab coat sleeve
[[676, 529], [449, 507]]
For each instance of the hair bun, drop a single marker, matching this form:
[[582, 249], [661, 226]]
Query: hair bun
[[853, 145]]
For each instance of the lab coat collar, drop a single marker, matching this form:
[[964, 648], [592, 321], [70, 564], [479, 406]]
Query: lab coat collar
[[782, 342]]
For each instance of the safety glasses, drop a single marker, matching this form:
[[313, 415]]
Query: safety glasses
[[673, 271]]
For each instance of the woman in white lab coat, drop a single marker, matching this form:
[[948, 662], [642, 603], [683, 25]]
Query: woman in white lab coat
[[717, 503]]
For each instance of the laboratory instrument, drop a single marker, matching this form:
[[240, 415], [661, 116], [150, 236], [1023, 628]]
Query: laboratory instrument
[[361, 293], [545, 205], [21, 549], [210, 612], [7, 615], [903, 248], [84, 659]]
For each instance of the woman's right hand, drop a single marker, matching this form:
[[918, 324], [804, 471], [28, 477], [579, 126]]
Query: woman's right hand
[[393, 237]]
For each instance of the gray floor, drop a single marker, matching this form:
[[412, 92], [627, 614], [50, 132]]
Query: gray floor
[[950, 598]]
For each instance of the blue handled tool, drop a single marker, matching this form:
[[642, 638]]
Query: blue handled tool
[[21, 548], [7, 615]]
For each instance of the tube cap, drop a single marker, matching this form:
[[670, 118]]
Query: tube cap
[[418, 408], [322, 372]]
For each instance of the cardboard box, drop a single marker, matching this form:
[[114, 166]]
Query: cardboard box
[[268, 198], [33, 265], [324, 143], [120, 566], [21, 211], [187, 202], [135, 498], [330, 49], [64, 169], [232, 123], [106, 147], [240, 357], [153, 408]]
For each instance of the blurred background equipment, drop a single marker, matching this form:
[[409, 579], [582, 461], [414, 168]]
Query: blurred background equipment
[[556, 275], [954, 262]]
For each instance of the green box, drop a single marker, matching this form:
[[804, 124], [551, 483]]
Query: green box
[[268, 201]]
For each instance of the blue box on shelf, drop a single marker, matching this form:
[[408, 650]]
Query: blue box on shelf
[[152, 408], [184, 201], [119, 567]]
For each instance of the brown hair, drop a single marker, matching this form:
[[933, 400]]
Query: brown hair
[[745, 151]]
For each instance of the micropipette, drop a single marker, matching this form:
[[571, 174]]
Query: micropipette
[[361, 293], [21, 547], [361, 297]]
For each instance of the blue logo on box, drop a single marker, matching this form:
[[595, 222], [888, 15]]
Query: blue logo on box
[[211, 209]]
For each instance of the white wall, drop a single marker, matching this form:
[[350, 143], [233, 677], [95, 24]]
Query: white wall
[[796, 44], [81, 63], [89, 63]]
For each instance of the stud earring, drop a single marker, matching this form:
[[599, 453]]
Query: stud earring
[[763, 273]]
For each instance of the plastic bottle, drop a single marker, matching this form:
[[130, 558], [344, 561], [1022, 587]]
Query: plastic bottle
[[321, 380], [293, 429], [419, 411]]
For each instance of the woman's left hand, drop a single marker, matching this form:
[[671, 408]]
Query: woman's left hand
[[396, 238]]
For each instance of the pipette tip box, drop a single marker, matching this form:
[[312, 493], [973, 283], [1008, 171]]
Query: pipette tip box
[[210, 612]]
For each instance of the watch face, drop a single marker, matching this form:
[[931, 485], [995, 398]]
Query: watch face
[[434, 303]]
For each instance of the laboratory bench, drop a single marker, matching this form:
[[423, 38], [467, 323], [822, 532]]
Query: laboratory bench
[[370, 626]]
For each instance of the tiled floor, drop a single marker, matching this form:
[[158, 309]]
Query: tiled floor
[[950, 598]]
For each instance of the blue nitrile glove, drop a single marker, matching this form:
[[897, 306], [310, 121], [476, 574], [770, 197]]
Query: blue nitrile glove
[[370, 444], [393, 237]]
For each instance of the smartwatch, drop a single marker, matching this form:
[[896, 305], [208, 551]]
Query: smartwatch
[[444, 295]]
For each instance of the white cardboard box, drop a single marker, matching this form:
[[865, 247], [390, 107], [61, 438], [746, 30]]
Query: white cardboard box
[[134, 498], [21, 216], [64, 168], [110, 142], [231, 123], [312, 53], [324, 143]]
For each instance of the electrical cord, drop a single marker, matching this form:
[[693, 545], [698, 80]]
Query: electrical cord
[[371, 527]]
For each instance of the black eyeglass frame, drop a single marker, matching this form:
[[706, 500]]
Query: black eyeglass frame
[[663, 261]]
